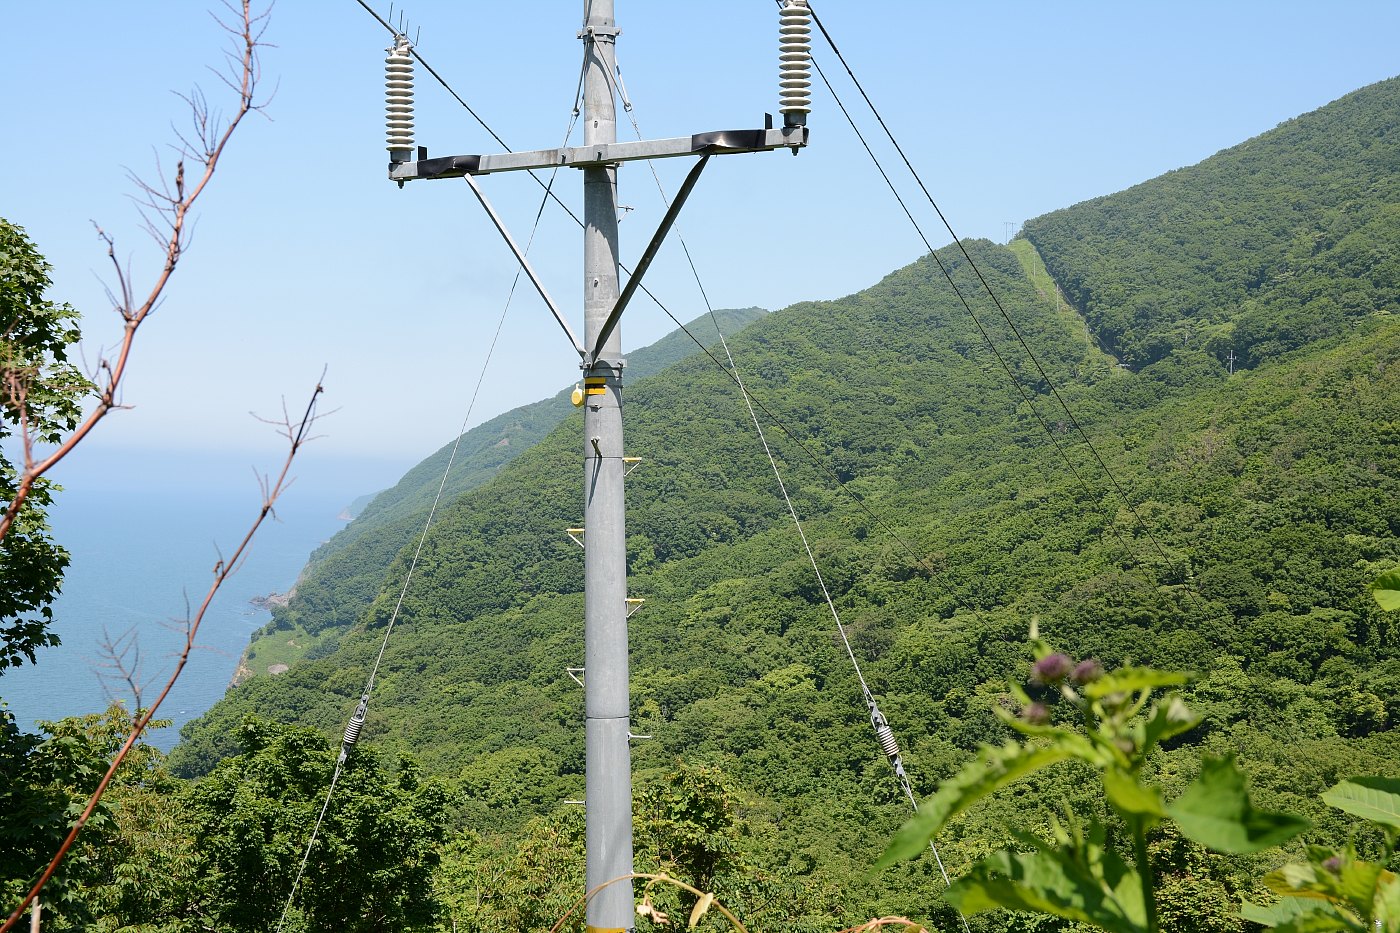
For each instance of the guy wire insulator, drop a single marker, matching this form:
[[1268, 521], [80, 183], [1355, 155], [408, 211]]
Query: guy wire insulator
[[794, 62], [357, 721], [398, 100], [885, 735]]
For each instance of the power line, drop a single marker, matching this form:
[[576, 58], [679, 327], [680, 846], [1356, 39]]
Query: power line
[[1103, 466], [967, 306]]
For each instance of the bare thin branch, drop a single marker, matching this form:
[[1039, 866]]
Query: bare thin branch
[[173, 202], [297, 435]]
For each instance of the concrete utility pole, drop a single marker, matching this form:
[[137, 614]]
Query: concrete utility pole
[[606, 701], [608, 782]]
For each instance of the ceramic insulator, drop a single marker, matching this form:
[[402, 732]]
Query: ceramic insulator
[[398, 95], [357, 721], [794, 57], [887, 741]]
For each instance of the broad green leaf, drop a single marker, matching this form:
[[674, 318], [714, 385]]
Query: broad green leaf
[[1299, 879], [1130, 797], [1168, 720], [1130, 679], [994, 768], [1273, 914], [1215, 811], [1372, 798], [1387, 903], [1358, 882], [1292, 915], [1319, 922], [1386, 589], [1051, 881]]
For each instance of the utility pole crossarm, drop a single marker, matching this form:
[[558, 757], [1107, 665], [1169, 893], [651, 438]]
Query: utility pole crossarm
[[719, 142]]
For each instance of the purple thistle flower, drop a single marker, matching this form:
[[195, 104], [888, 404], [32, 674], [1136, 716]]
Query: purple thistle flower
[[1051, 669], [1333, 864], [1086, 671], [1037, 714]]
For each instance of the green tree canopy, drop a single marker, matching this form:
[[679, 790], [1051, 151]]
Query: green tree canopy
[[41, 395]]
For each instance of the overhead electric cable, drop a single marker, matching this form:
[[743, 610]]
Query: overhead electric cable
[[991, 293], [357, 719], [986, 336]]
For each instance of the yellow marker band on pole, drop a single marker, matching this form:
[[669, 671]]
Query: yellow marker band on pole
[[600, 390]]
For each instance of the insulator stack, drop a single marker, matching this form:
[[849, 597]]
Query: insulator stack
[[794, 62], [356, 723], [398, 100], [885, 735]]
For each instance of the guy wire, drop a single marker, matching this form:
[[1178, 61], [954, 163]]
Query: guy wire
[[428, 523]]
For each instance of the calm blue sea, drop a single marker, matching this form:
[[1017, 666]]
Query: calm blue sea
[[143, 546]]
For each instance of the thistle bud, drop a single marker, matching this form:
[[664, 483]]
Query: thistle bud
[[1036, 714], [1051, 669], [1086, 671]]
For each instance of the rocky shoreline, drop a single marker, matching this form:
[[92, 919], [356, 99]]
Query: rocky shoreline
[[272, 601]]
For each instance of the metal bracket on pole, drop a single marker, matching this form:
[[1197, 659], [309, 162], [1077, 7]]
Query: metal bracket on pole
[[575, 535], [635, 279], [718, 142], [633, 604], [573, 673], [524, 263]]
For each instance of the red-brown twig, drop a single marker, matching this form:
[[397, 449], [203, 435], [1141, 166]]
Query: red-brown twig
[[297, 435], [171, 202]]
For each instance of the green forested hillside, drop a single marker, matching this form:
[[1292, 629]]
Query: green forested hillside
[[1258, 506], [346, 572], [1279, 241]]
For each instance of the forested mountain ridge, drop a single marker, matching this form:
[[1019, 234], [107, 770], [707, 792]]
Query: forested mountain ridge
[[344, 574], [1284, 239], [1258, 506]]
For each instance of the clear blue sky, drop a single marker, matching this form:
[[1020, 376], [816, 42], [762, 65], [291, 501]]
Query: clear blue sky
[[305, 255]]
